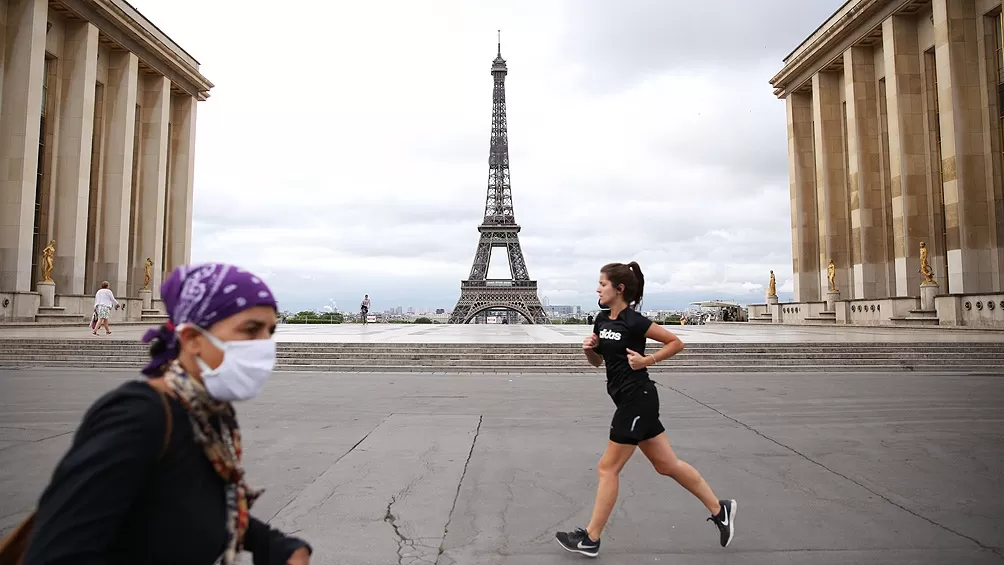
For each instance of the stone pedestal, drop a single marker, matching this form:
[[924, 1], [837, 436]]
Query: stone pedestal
[[771, 300], [832, 296], [47, 290], [147, 297], [927, 293]]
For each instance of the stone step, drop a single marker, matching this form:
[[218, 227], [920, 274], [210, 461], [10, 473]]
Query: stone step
[[90, 343], [450, 360], [528, 358], [678, 368], [62, 319], [848, 350]]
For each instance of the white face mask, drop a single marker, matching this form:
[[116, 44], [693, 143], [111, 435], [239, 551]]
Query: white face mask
[[245, 368]]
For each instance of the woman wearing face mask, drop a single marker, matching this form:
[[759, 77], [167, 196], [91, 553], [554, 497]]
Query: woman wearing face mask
[[154, 474], [618, 341]]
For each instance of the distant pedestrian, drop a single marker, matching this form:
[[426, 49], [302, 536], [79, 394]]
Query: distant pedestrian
[[104, 300], [364, 308], [618, 341]]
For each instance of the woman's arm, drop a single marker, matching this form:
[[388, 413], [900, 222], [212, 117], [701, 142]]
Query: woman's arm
[[94, 485], [671, 346], [269, 546], [588, 347]]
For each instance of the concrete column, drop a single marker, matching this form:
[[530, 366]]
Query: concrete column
[[996, 137], [831, 193], [79, 72], [868, 241], [120, 128], [183, 110], [156, 108], [3, 43], [801, 167], [968, 202], [907, 155], [889, 253], [20, 112]]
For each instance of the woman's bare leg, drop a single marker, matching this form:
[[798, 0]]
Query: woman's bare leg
[[608, 469], [660, 453]]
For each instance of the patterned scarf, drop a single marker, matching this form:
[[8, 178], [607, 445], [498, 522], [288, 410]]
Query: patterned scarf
[[223, 449]]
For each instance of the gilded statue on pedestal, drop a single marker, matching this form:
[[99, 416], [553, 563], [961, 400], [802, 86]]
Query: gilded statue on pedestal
[[771, 287], [831, 275], [925, 267], [48, 255], [147, 273]]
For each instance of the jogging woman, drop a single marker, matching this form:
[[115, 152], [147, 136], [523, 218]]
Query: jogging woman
[[618, 341]]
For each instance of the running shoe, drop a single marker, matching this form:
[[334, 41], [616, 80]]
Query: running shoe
[[726, 520], [578, 542]]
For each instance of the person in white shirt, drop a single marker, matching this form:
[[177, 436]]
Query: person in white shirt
[[103, 302], [364, 308]]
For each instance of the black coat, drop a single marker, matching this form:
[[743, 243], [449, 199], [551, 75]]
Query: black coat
[[118, 497]]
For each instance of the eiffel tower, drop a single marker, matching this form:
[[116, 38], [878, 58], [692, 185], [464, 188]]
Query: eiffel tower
[[479, 294]]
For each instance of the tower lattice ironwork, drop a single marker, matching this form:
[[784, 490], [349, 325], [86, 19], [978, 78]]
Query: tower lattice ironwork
[[478, 293]]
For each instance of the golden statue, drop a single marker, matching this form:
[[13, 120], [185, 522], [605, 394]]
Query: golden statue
[[147, 273], [925, 267], [831, 274], [48, 255], [772, 286]]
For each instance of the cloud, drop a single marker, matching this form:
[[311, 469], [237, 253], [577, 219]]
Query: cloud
[[348, 153]]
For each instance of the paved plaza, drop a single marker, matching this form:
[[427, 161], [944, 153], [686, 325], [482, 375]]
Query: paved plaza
[[483, 469], [459, 333]]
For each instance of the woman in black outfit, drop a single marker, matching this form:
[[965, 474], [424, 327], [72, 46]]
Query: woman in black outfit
[[154, 474], [618, 340]]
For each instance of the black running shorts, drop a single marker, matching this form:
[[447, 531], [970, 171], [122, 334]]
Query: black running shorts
[[637, 417]]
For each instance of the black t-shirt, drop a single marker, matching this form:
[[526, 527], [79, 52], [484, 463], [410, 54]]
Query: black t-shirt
[[615, 338], [114, 500]]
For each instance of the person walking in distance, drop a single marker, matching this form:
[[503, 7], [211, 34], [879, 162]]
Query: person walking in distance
[[104, 301], [364, 308], [618, 341]]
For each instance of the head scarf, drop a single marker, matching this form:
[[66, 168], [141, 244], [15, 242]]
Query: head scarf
[[201, 295]]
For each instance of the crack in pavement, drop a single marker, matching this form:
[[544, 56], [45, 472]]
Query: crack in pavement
[[983, 546], [449, 519], [20, 443], [403, 541], [351, 449]]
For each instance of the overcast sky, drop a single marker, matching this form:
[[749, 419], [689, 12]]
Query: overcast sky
[[344, 149]]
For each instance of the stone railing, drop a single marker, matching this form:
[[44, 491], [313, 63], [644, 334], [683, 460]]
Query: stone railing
[[798, 312], [971, 310], [19, 306], [875, 312]]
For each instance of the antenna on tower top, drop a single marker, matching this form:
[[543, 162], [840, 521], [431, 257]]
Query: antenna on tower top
[[500, 43]]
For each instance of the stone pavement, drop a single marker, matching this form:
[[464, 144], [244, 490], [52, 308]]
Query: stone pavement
[[455, 333], [391, 468]]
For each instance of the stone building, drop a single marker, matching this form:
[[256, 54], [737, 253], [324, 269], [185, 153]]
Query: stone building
[[97, 139], [895, 111]]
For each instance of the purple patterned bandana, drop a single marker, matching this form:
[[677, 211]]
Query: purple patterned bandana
[[202, 295]]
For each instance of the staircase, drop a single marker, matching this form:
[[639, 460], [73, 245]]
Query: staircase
[[538, 358]]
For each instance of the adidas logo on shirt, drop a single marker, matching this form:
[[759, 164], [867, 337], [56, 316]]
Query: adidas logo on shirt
[[607, 334]]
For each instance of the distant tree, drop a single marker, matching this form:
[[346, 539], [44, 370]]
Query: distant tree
[[423, 320]]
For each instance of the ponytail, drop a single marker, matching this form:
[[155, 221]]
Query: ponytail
[[640, 278]]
